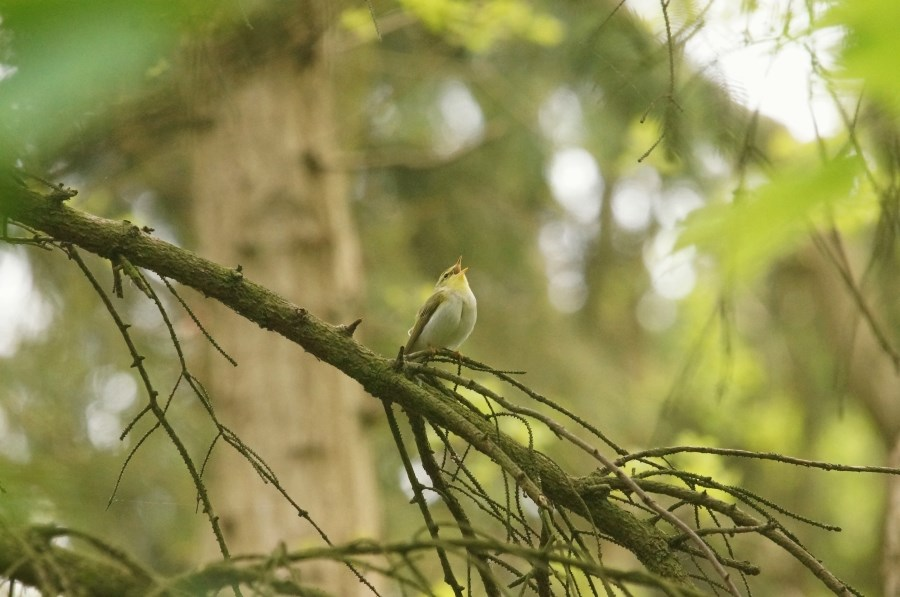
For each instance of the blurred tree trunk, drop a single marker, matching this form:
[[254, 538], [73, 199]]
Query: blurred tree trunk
[[891, 546], [263, 199]]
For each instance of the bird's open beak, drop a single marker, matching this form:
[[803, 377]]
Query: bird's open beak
[[457, 267]]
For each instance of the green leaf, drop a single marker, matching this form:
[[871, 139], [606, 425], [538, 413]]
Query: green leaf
[[749, 233], [481, 26], [65, 63], [872, 45]]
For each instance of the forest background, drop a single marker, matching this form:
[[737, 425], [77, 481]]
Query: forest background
[[658, 255]]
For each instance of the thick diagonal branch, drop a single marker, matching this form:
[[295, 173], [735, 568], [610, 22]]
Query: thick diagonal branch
[[539, 477]]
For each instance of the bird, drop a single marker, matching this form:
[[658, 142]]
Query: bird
[[448, 316]]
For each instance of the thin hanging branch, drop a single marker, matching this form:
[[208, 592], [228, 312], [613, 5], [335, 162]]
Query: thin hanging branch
[[153, 403]]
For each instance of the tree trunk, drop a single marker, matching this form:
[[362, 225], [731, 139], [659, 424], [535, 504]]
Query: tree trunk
[[890, 561], [263, 200]]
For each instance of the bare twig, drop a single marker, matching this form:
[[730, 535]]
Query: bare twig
[[828, 466], [599, 456], [419, 499], [152, 394]]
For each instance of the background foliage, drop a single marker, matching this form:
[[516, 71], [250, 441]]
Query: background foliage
[[640, 241]]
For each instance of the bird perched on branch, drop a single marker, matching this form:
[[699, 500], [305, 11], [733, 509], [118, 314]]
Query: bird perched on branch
[[448, 316]]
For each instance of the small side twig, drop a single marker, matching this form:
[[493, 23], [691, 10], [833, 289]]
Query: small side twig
[[419, 499]]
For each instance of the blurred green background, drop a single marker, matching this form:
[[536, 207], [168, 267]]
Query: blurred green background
[[658, 256]]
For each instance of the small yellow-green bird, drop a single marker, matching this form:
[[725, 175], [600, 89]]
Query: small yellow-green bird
[[448, 316]]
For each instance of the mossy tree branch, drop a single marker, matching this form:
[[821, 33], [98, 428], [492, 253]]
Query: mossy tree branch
[[30, 557], [538, 476]]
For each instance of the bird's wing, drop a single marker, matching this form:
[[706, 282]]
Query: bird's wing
[[422, 318]]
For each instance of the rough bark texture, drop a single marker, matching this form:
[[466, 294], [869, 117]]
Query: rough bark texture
[[263, 200]]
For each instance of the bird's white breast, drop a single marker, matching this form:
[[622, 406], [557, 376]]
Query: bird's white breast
[[451, 323]]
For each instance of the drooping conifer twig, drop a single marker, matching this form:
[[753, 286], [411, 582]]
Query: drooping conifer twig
[[429, 464], [419, 498], [153, 402], [608, 464], [826, 466], [265, 472]]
